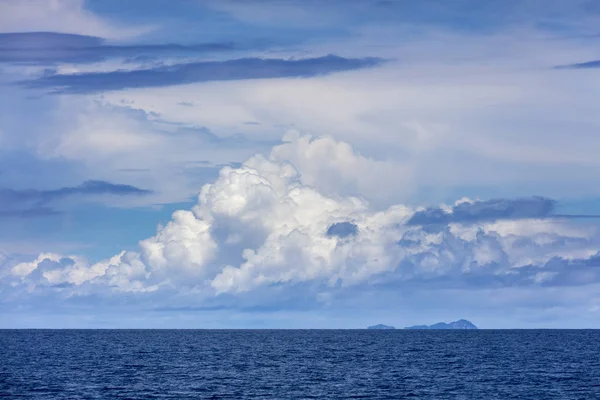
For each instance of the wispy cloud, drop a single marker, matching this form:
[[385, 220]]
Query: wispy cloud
[[583, 65], [239, 69], [471, 212], [489, 210], [37, 203], [52, 47]]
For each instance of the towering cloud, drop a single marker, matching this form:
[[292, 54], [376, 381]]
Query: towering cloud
[[268, 222]]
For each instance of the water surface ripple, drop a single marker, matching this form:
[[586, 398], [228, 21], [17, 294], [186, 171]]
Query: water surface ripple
[[299, 364]]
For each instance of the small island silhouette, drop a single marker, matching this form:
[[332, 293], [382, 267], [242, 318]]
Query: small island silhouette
[[460, 324], [381, 326]]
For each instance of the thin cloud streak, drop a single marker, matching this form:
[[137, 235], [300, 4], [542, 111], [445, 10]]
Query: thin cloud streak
[[206, 71], [34, 203], [50, 47]]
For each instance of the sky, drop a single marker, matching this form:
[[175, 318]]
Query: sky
[[299, 164]]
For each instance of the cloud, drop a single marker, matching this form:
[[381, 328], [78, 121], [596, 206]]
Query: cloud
[[86, 188], [35, 203], [440, 112], [333, 167], [583, 65], [86, 137], [205, 71], [52, 48], [490, 210], [65, 16], [487, 17], [46, 41], [29, 213], [466, 114], [261, 225]]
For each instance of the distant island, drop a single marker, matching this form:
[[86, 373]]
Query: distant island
[[381, 326], [460, 324]]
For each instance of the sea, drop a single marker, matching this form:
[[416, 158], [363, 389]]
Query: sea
[[299, 364]]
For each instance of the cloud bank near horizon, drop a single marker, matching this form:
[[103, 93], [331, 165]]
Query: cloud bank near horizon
[[266, 224]]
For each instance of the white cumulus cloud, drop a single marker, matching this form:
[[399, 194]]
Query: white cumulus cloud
[[266, 223]]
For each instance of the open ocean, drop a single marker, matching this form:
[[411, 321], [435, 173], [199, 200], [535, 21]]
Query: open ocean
[[297, 364]]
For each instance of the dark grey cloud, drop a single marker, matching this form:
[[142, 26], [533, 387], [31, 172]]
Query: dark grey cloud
[[489, 210], [576, 216], [50, 47], [342, 229], [37, 203], [47, 40], [87, 188], [243, 68], [565, 272], [557, 271], [460, 264], [29, 213], [583, 65]]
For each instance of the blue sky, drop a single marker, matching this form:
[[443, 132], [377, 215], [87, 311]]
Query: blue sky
[[287, 164]]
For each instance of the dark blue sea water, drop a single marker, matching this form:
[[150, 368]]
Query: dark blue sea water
[[324, 364]]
